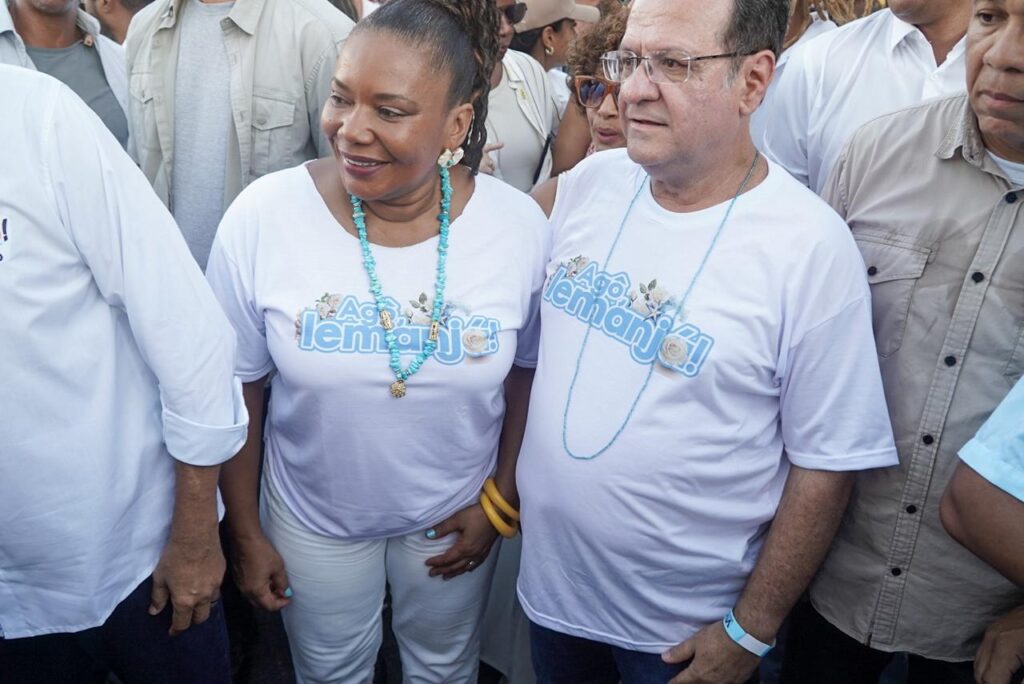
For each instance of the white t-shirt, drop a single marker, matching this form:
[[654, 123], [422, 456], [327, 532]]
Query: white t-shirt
[[648, 542], [1014, 170], [763, 114], [349, 460], [839, 81]]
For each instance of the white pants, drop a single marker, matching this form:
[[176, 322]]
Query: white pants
[[334, 620]]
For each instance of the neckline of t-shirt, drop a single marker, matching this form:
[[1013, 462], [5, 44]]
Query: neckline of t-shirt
[[322, 207], [55, 51], [1014, 170], [716, 209], [214, 8]]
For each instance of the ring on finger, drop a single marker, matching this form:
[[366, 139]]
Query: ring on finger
[[470, 565]]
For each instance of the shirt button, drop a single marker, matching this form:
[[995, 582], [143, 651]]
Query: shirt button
[[896, 572], [911, 509], [950, 360], [977, 276], [872, 270], [928, 439], [1011, 197]]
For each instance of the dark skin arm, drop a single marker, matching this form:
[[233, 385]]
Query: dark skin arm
[[476, 533], [990, 523], [808, 517], [192, 564], [258, 568], [572, 142], [986, 520]]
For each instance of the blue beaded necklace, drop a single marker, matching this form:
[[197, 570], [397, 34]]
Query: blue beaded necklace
[[398, 388], [675, 315]]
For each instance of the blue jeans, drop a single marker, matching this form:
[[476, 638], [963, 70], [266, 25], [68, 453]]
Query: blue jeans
[[132, 644], [563, 659]]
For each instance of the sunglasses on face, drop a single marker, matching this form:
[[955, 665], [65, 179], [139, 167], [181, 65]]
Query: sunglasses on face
[[514, 13], [591, 90]]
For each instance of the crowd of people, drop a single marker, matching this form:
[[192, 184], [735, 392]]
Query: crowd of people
[[663, 341]]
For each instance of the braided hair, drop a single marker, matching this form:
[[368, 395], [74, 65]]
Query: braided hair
[[462, 38]]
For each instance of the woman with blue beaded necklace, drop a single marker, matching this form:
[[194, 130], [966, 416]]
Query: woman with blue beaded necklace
[[391, 294]]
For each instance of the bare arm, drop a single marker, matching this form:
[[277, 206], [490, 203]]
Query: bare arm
[[545, 194], [986, 520], [573, 139], [258, 568], [517, 402], [476, 533], [812, 506], [240, 476], [192, 564]]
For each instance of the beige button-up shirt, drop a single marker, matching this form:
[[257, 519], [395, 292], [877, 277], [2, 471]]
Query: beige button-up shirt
[[941, 230], [281, 54]]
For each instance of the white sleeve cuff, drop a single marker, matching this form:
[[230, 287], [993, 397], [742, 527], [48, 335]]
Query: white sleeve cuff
[[207, 445]]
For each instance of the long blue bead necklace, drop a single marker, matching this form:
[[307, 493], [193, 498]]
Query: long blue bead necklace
[[387, 322], [681, 306]]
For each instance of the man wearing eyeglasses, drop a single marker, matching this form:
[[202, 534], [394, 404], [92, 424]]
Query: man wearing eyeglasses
[[708, 380]]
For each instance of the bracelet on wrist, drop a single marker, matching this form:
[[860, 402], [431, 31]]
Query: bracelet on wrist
[[504, 528], [746, 641], [492, 492]]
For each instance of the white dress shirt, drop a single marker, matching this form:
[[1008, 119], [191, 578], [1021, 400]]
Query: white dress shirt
[[836, 83], [758, 120], [116, 361]]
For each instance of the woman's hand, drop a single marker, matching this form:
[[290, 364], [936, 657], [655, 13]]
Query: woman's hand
[[259, 573], [476, 537]]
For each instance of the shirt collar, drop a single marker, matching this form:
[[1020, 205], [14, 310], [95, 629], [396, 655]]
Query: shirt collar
[[899, 30], [964, 136], [6, 21], [245, 14]]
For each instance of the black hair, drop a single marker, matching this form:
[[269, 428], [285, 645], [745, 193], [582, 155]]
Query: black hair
[[462, 37], [757, 25]]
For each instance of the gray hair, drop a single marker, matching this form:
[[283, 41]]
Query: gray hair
[[756, 25]]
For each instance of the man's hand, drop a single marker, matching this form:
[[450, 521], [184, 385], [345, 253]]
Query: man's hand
[[476, 537], [260, 574], [189, 574], [1001, 654], [716, 659]]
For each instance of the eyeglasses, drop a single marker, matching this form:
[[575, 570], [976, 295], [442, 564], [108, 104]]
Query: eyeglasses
[[591, 90], [668, 66], [514, 13]]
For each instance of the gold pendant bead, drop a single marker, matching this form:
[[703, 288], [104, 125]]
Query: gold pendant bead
[[385, 320], [435, 329], [398, 389]]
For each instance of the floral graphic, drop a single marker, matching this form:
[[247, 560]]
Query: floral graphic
[[474, 341], [421, 310], [575, 265], [673, 351], [650, 301]]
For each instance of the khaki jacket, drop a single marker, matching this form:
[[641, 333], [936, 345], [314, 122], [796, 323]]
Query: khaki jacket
[[281, 55]]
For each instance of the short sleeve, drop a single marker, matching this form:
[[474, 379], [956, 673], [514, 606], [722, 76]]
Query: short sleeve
[[997, 451], [539, 250], [231, 273], [833, 409]]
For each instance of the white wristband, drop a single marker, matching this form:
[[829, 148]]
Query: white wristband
[[740, 636]]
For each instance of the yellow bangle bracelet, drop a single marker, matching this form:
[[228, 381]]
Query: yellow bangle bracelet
[[491, 489], [504, 529]]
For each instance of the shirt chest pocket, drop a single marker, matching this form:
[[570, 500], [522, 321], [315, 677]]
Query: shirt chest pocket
[[893, 269], [272, 147], [142, 110]]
